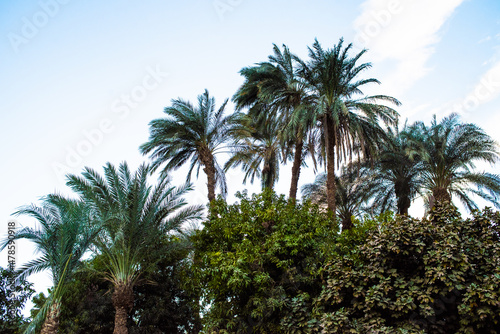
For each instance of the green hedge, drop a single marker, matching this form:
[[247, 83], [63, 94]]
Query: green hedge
[[436, 275]]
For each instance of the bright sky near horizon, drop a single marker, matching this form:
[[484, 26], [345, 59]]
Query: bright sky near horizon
[[81, 80]]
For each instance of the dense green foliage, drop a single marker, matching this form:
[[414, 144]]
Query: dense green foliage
[[11, 319], [435, 275], [264, 266], [163, 303], [86, 307], [259, 263]]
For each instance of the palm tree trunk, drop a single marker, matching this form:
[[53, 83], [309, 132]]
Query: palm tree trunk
[[331, 187], [121, 316], [208, 161], [403, 205], [404, 202], [346, 223], [441, 195], [51, 324], [297, 162], [210, 171], [123, 300], [266, 176]]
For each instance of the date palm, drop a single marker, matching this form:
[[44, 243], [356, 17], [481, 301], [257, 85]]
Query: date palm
[[449, 151], [348, 122], [352, 192], [276, 84], [395, 178], [134, 216], [65, 233], [258, 149], [195, 133]]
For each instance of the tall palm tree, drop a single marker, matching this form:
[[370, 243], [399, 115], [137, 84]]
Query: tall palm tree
[[195, 133], [276, 84], [258, 149], [352, 192], [65, 234], [348, 122], [395, 177], [134, 217], [449, 151]]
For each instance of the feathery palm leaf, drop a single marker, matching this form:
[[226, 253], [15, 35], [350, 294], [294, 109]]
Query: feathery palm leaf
[[275, 84], [350, 124], [135, 217], [395, 176], [258, 151], [66, 231], [449, 151], [195, 134], [352, 192]]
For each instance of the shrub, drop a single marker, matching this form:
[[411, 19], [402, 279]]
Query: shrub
[[259, 264], [435, 275]]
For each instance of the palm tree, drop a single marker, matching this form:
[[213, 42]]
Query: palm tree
[[65, 234], [395, 177], [134, 216], [352, 192], [189, 132], [333, 79], [449, 151], [276, 84], [258, 149]]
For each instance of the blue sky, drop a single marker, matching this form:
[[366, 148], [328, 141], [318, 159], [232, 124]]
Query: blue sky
[[80, 80]]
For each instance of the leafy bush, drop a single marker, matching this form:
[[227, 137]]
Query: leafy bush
[[435, 275], [11, 319], [259, 264]]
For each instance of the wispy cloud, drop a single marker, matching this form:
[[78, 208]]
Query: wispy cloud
[[403, 31], [484, 40], [486, 89]]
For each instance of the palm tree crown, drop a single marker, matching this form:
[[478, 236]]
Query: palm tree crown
[[134, 216], [191, 133], [449, 151], [65, 234], [395, 177], [276, 84], [258, 148], [352, 192], [350, 125]]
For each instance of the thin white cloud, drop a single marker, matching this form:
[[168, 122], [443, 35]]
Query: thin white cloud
[[483, 40], [412, 111], [403, 31], [486, 89]]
